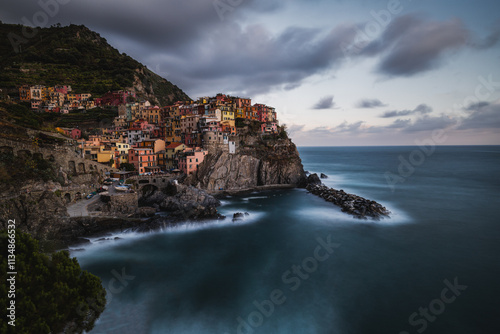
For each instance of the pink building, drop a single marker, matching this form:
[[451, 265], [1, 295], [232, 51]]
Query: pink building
[[75, 134], [262, 112], [191, 159], [270, 127]]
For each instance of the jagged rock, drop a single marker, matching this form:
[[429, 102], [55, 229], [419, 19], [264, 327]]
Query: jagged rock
[[324, 176], [313, 179], [190, 203]]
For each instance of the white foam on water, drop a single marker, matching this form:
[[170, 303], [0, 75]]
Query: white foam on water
[[103, 242], [332, 214], [190, 226], [254, 197]]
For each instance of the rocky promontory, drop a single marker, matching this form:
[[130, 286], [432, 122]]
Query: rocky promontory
[[352, 204], [256, 164]]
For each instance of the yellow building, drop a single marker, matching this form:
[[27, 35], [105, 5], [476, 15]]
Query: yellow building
[[104, 156], [153, 115], [47, 93], [172, 124], [240, 112], [227, 113], [172, 153], [122, 147]]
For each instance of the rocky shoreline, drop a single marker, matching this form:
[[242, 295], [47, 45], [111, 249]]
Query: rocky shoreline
[[357, 206]]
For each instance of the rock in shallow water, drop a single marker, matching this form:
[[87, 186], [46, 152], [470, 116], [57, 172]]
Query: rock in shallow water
[[355, 205], [313, 179]]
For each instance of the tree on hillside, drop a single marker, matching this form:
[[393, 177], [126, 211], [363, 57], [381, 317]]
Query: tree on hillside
[[52, 293]]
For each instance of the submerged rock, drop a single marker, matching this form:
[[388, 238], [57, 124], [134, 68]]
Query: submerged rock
[[238, 216]]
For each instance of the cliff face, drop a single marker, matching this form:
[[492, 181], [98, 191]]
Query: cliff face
[[37, 212], [256, 164], [39, 179]]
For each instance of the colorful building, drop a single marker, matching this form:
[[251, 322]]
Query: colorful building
[[142, 158], [191, 159]]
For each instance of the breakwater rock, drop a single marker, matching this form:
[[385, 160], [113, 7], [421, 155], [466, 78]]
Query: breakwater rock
[[355, 205]]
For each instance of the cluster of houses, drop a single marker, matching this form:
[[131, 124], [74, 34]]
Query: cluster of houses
[[177, 137], [61, 99]]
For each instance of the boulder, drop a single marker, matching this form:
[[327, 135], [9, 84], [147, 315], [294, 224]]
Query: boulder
[[190, 203], [324, 176], [313, 179]]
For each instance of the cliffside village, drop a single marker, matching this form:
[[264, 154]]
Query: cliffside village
[[157, 139]]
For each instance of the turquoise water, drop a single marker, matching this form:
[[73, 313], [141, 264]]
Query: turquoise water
[[297, 264]]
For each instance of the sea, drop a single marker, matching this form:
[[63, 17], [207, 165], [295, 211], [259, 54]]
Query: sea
[[296, 264]]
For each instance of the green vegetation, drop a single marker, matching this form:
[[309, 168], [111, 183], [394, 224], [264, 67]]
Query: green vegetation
[[76, 56], [15, 169], [128, 167], [52, 293], [21, 115], [283, 132]]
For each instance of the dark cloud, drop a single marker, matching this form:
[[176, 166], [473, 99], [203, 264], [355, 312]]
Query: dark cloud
[[491, 40], [421, 46], [485, 116], [428, 123], [411, 44], [325, 103], [399, 124], [348, 127], [477, 106], [295, 128], [370, 104], [420, 109]]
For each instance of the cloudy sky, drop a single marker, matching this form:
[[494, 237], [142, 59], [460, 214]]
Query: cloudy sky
[[339, 72]]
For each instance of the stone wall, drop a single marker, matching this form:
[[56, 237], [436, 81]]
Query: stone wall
[[68, 160], [121, 205]]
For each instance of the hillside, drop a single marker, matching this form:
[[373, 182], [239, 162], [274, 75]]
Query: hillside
[[77, 56]]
